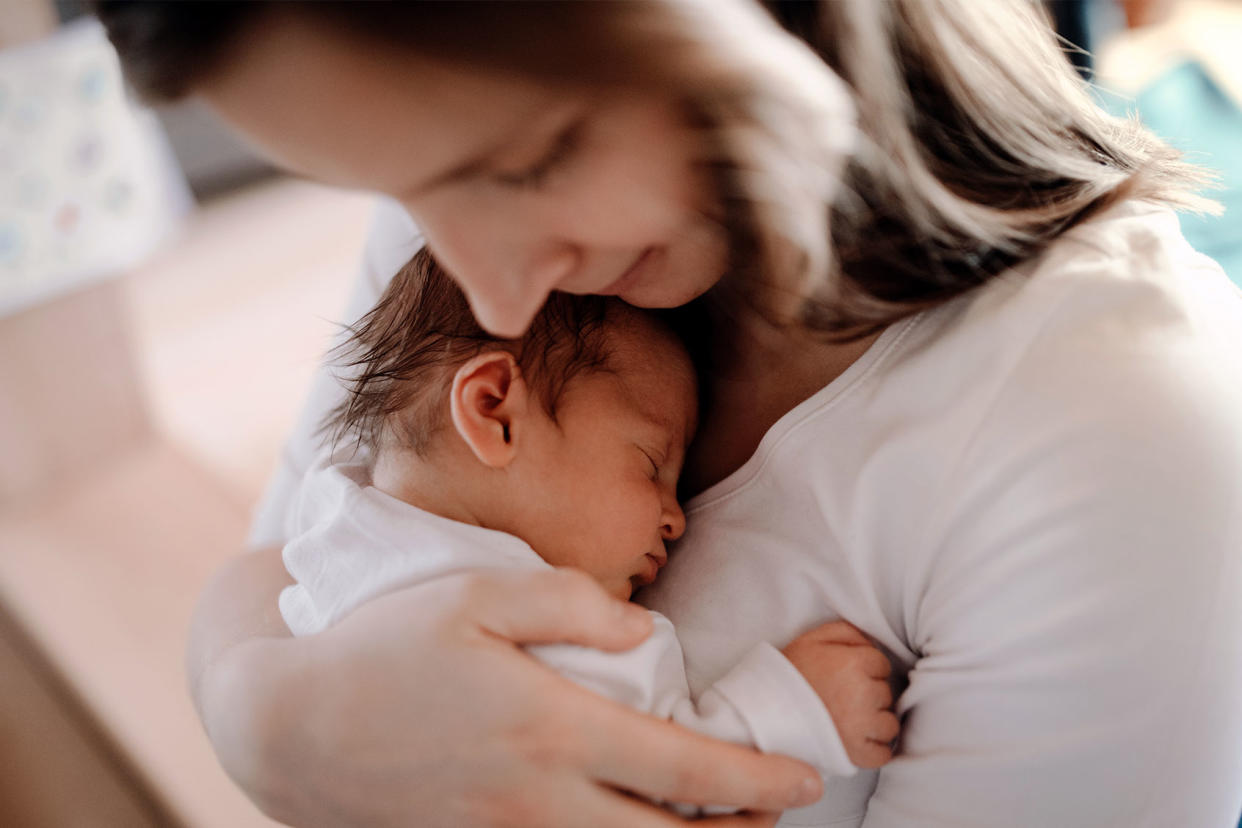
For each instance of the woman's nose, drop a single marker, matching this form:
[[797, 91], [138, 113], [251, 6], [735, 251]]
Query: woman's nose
[[505, 301]]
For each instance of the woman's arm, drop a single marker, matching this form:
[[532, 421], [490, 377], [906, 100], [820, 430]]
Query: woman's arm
[[1080, 633], [419, 709]]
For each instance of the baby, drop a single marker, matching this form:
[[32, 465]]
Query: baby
[[562, 448]]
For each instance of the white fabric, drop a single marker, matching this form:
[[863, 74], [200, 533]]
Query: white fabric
[[1032, 496], [392, 241], [353, 543]]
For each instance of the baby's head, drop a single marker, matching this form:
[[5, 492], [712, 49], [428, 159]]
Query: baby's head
[[571, 437]]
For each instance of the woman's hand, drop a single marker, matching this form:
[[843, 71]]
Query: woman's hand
[[419, 709]]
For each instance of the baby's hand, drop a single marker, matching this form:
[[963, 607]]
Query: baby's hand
[[850, 676]]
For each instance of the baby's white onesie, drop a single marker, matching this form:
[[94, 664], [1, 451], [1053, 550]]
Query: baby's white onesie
[[352, 543]]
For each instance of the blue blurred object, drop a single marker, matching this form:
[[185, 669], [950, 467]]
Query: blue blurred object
[[1186, 108]]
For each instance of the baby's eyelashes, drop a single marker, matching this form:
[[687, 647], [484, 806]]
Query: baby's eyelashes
[[653, 461]]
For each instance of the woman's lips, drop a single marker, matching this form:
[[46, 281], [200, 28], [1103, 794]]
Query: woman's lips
[[627, 279]]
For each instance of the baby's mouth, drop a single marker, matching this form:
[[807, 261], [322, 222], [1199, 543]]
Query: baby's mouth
[[654, 563]]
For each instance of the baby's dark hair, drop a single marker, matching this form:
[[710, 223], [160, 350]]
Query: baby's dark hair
[[400, 358]]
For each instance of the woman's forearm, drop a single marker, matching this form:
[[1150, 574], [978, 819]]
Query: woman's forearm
[[237, 606], [241, 663], [418, 708]]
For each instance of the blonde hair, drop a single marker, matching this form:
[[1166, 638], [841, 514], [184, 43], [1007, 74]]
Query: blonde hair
[[976, 145]]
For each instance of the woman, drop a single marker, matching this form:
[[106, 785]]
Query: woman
[[981, 401]]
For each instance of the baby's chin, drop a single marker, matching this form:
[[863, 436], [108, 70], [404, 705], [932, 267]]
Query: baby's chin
[[623, 590]]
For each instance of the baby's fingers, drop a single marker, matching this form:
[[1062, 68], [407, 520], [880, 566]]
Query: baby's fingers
[[879, 695], [874, 663], [839, 632], [884, 728], [548, 607], [871, 755], [876, 749]]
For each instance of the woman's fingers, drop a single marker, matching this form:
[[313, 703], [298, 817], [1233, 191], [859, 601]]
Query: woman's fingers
[[604, 808], [764, 820], [639, 753], [551, 607], [610, 809], [557, 728]]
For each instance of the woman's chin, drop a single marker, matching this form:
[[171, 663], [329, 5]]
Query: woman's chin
[[664, 296], [680, 274], [669, 286]]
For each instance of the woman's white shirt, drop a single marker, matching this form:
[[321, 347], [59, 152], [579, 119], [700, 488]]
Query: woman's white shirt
[[1031, 496]]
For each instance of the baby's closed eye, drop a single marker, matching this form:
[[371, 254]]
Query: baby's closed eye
[[654, 460]]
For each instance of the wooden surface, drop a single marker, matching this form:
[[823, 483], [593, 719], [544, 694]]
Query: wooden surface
[[56, 770]]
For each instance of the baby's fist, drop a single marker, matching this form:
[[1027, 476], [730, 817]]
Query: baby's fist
[[851, 677]]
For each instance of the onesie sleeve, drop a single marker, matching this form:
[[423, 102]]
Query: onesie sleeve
[[392, 240], [763, 702], [1080, 627]]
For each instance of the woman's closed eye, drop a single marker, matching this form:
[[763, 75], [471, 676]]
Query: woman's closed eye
[[535, 175]]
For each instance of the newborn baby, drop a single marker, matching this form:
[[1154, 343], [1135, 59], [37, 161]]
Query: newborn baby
[[559, 449]]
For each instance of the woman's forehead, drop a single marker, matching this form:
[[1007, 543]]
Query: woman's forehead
[[362, 114]]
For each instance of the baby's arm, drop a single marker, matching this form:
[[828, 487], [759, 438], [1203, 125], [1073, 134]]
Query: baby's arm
[[835, 714]]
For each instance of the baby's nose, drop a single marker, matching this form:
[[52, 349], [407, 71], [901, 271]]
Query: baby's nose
[[674, 522]]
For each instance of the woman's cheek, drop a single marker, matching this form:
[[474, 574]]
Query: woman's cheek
[[621, 207]]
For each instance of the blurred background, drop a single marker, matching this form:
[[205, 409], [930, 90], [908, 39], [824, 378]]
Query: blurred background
[[164, 299]]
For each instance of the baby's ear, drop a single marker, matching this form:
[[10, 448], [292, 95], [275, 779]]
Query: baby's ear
[[488, 401]]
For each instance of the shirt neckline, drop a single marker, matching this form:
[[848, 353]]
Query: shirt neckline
[[831, 394]]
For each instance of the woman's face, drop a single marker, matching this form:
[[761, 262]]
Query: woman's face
[[521, 187]]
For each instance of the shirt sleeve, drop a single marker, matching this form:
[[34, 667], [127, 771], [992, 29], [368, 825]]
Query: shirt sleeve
[[391, 241], [1080, 629], [763, 702]]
